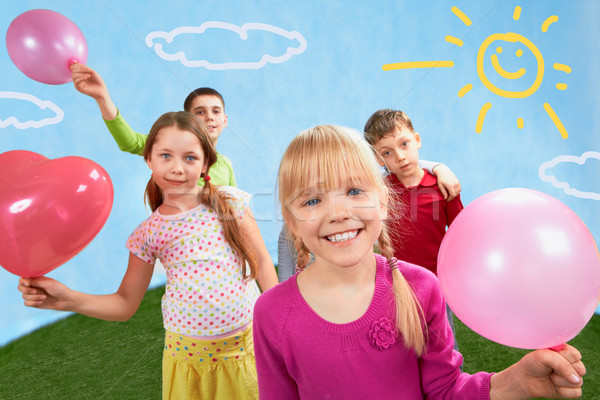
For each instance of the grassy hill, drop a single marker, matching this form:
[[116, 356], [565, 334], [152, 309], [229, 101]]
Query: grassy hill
[[85, 358]]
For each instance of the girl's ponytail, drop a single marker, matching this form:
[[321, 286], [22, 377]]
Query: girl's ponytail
[[153, 196], [219, 202], [409, 314]]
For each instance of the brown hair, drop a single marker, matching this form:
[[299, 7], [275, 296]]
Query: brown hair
[[337, 154], [203, 91], [384, 122], [210, 196]]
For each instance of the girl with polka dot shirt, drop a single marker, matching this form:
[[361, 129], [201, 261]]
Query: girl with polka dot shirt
[[209, 243]]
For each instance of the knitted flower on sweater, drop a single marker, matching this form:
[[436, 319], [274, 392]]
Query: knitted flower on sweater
[[383, 333]]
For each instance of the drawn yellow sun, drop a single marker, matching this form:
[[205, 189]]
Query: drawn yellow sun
[[498, 39]]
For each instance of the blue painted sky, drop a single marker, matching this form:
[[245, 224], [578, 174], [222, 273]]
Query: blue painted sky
[[337, 77]]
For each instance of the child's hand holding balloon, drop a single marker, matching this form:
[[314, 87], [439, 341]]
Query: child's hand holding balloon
[[542, 373], [90, 83], [46, 293], [87, 81]]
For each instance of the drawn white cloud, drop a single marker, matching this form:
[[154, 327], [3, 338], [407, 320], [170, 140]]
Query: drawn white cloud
[[241, 31], [42, 104], [565, 185]]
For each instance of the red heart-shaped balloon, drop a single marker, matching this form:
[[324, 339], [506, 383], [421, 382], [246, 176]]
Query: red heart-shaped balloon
[[49, 209]]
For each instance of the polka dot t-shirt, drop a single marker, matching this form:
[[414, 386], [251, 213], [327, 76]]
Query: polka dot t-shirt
[[205, 293]]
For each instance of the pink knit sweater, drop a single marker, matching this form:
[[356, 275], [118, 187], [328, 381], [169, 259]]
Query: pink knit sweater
[[299, 355]]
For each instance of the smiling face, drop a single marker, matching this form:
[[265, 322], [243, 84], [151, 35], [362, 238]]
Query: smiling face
[[338, 225], [177, 162], [332, 195], [211, 111], [523, 42]]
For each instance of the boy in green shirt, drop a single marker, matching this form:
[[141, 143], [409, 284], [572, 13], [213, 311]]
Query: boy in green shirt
[[206, 103]]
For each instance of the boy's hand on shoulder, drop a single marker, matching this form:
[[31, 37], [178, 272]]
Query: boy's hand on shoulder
[[447, 182]]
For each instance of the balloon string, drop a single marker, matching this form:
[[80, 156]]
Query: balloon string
[[557, 348]]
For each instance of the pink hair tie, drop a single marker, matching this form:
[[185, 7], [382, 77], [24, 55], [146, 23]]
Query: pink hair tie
[[393, 263]]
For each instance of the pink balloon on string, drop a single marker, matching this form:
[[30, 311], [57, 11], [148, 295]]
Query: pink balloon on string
[[43, 44], [520, 268]]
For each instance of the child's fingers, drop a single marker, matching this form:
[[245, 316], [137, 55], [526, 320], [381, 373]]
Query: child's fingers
[[444, 192], [34, 300], [567, 368], [33, 297], [457, 189], [32, 286], [568, 393], [24, 285], [453, 192], [571, 381], [35, 304], [80, 78], [29, 291], [580, 368], [570, 353], [78, 67]]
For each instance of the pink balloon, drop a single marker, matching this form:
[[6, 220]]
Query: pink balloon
[[520, 268], [49, 209], [43, 44]]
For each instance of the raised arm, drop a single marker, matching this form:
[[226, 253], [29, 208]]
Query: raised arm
[[47, 293], [90, 83], [266, 275]]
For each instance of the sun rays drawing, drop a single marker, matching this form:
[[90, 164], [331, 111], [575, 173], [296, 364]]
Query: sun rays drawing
[[486, 65]]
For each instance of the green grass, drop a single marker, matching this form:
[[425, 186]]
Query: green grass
[[84, 358]]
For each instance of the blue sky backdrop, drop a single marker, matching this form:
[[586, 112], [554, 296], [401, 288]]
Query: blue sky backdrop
[[297, 64]]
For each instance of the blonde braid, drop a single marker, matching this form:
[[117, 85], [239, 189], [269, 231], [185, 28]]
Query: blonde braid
[[410, 321], [302, 251]]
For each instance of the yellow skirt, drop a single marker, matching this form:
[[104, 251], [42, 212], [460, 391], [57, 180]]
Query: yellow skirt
[[221, 369]]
